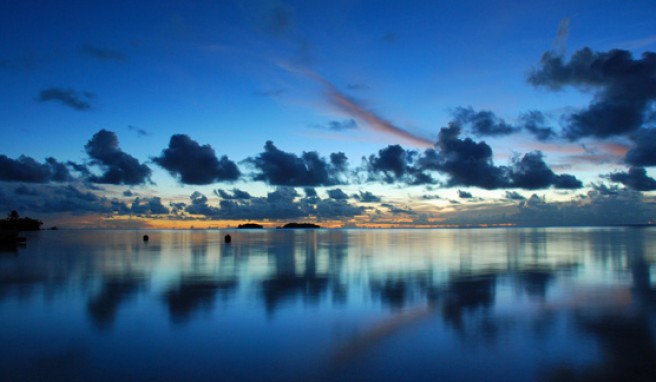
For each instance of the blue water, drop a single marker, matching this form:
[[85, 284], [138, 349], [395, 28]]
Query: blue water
[[515, 304]]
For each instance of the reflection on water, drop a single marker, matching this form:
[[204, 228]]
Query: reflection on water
[[342, 305]]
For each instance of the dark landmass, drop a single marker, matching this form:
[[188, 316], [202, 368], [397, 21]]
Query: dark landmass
[[300, 225], [15, 223], [250, 226]]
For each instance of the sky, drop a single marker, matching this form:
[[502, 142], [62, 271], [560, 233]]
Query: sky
[[354, 113]]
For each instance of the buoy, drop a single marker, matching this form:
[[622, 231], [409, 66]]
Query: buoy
[[145, 238], [227, 238]]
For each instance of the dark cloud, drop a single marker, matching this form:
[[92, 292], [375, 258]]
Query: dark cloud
[[366, 197], [199, 206], [347, 124], [70, 199], [469, 163], [643, 153], [102, 53], [26, 191], [68, 97], [282, 204], [337, 194], [339, 162], [464, 194], [531, 172], [514, 195], [395, 164], [310, 192], [335, 209], [482, 123], [636, 179], [148, 206], [192, 163], [465, 163], [128, 193], [26, 169], [237, 194], [624, 88], [117, 166], [280, 168], [396, 210], [536, 123], [140, 132]]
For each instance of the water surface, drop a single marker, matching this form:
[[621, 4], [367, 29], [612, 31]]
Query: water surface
[[514, 304]]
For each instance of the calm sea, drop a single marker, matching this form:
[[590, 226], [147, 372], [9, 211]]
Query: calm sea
[[518, 304]]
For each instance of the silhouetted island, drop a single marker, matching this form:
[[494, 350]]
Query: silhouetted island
[[250, 225], [14, 222], [300, 225]]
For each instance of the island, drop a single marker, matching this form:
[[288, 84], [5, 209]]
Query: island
[[299, 225], [14, 222], [250, 226]]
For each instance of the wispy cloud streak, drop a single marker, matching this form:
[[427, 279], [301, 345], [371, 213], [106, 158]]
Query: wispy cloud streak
[[353, 108]]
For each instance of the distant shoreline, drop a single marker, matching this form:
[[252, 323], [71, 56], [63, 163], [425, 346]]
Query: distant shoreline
[[645, 225]]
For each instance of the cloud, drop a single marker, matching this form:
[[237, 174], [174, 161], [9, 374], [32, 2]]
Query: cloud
[[530, 173], [337, 194], [482, 123], [643, 153], [514, 195], [395, 164], [624, 88], [560, 43], [66, 199], [357, 111], [68, 97], [27, 191], [26, 169], [237, 194], [280, 168], [284, 203], [535, 123], [102, 53], [192, 163], [396, 210], [464, 194], [117, 166], [467, 163], [140, 132], [148, 206], [636, 179], [366, 197], [347, 124]]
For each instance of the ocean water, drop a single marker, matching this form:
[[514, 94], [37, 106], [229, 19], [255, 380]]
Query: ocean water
[[516, 304]]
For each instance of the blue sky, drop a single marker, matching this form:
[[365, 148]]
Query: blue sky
[[104, 88]]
